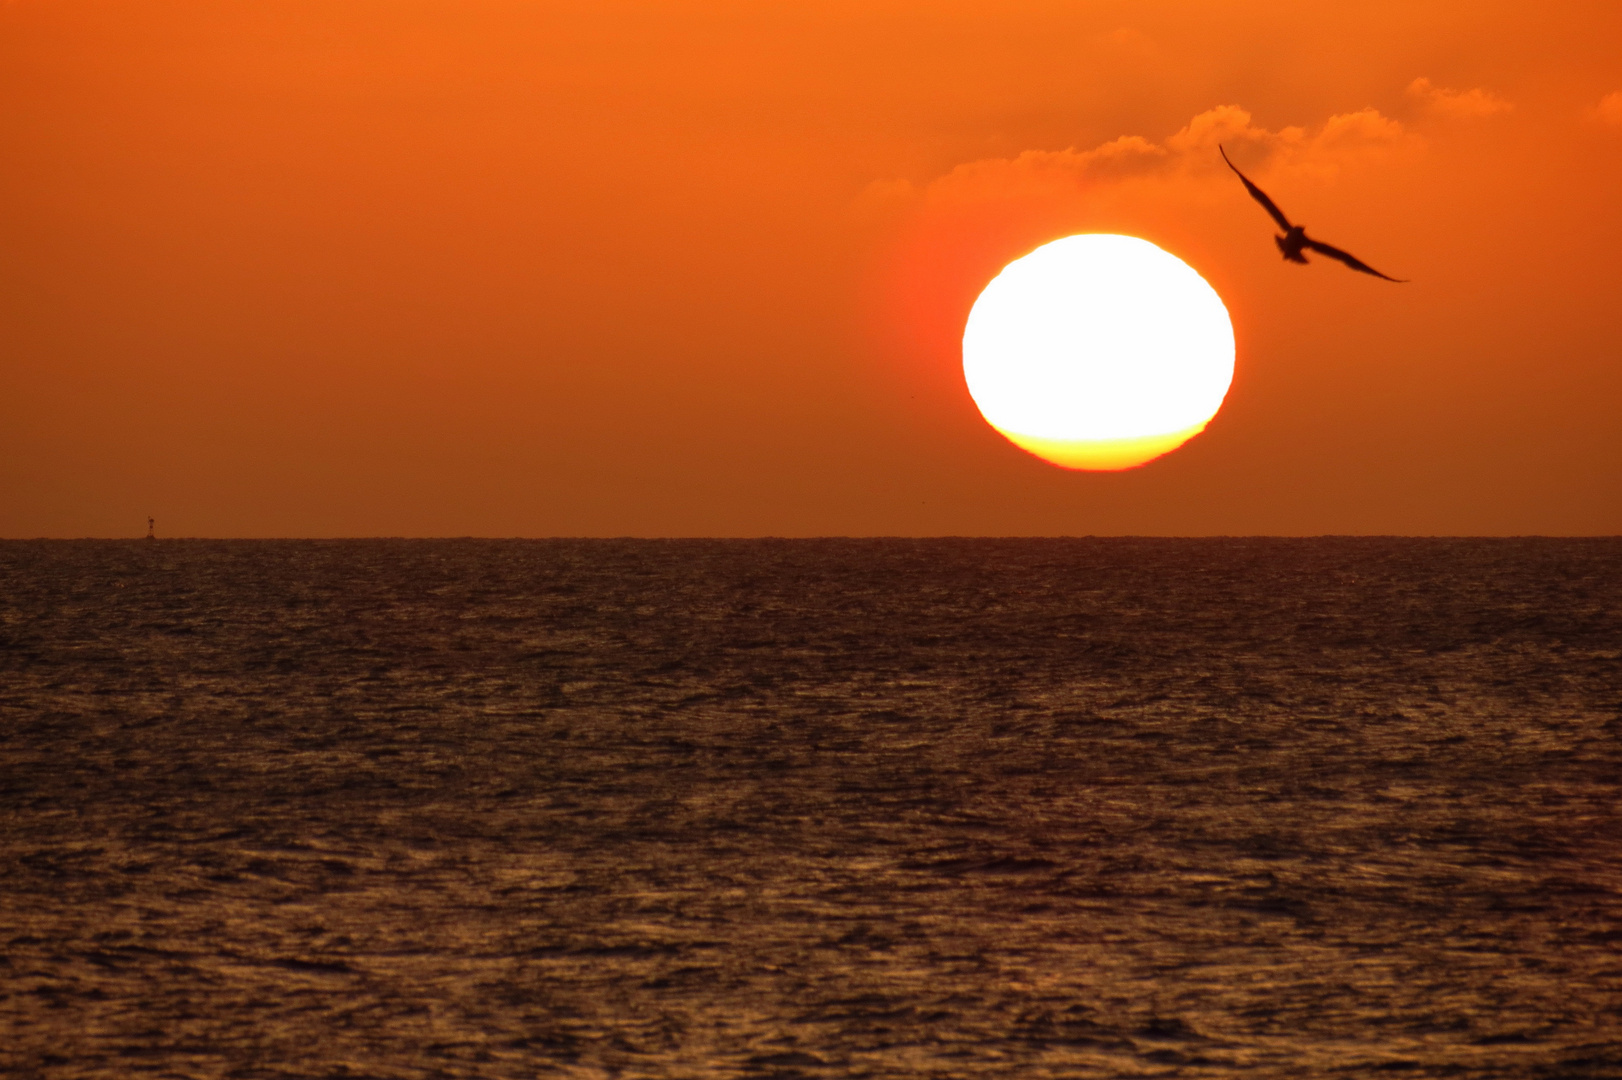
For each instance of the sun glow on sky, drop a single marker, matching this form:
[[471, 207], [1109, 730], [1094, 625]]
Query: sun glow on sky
[[1098, 352]]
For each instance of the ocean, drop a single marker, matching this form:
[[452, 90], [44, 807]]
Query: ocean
[[1339, 807]]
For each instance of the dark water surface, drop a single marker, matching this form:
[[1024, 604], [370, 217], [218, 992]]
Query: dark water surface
[[954, 808]]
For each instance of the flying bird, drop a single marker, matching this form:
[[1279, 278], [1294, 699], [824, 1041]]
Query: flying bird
[[1295, 236]]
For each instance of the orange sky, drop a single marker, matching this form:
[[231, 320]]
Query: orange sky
[[699, 268]]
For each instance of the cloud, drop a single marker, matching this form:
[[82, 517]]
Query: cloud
[[1190, 153], [1457, 104], [1039, 170], [1341, 136], [1609, 109]]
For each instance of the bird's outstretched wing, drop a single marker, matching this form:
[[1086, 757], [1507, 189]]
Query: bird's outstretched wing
[[1259, 195], [1350, 260]]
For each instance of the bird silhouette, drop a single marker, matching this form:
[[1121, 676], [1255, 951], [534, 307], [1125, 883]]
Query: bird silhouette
[[1295, 237]]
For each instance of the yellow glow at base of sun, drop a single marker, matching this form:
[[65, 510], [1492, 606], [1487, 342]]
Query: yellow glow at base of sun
[[1098, 352]]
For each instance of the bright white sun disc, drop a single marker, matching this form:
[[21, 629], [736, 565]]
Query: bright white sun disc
[[1098, 352]]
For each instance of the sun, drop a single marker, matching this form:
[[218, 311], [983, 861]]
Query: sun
[[1098, 352]]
